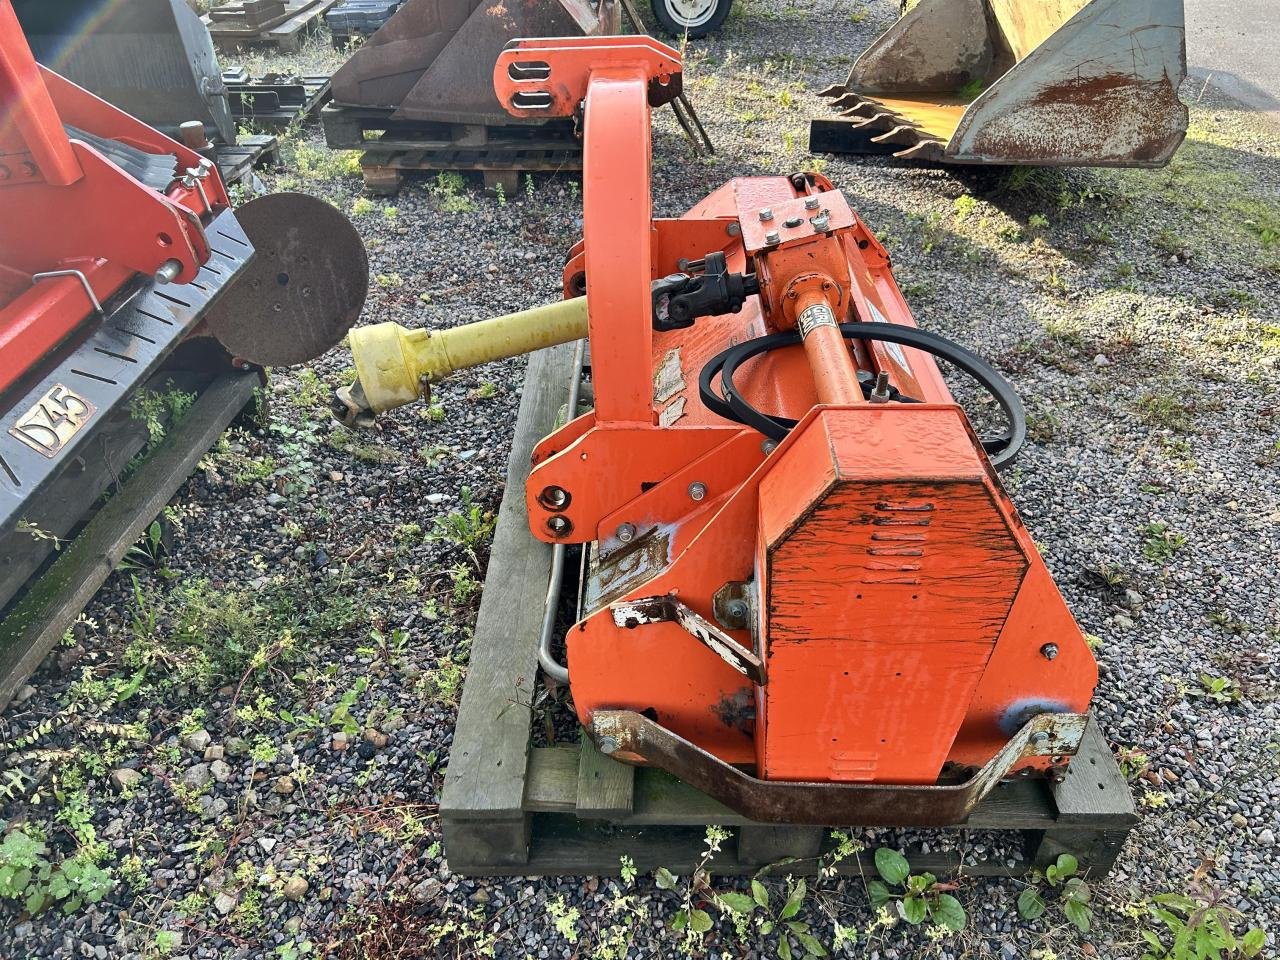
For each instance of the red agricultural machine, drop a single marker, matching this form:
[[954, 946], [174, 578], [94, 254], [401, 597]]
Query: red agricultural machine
[[122, 270], [807, 593]]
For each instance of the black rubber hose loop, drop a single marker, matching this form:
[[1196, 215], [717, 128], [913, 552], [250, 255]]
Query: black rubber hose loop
[[732, 406]]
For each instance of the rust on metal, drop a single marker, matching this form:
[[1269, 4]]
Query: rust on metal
[[643, 610], [637, 739], [1064, 82], [304, 289], [433, 60]]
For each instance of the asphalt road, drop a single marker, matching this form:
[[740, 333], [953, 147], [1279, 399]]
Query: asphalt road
[[1235, 45]]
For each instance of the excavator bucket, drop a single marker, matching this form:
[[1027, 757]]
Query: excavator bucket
[[1043, 82], [151, 58], [433, 60]]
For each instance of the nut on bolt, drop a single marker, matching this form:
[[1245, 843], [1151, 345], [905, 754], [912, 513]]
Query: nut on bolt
[[766, 214], [772, 238], [626, 532], [1049, 651], [811, 203], [608, 745], [559, 526], [1039, 738], [697, 490]]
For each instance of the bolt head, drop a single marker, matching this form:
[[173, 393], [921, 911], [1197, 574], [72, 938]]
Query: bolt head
[[1049, 651], [811, 203], [697, 491], [1039, 738], [772, 237], [820, 223], [608, 745], [737, 610], [626, 532], [766, 214], [555, 497], [558, 525], [769, 446]]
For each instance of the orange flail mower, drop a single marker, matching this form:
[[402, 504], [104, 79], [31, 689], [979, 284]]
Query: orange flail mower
[[807, 593]]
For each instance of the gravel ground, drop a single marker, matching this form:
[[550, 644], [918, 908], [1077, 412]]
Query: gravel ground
[[250, 736]]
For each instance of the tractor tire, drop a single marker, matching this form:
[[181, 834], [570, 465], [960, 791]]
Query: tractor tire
[[696, 18]]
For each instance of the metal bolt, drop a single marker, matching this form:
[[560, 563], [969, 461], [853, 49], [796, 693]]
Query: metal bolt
[[608, 745], [1039, 738], [772, 237], [766, 214], [811, 203], [558, 525], [555, 497], [697, 490], [626, 532], [1049, 651], [168, 271], [880, 393], [737, 611], [821, 222], [769, 446], [792, 222]]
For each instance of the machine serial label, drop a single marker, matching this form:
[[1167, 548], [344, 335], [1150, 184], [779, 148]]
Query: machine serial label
[[53, 421]]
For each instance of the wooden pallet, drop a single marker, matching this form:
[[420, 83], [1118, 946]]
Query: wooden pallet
[[301, 18], [509, 808], [371, 128], [384, 172], [37, 619], [237, 163], [273, 102]]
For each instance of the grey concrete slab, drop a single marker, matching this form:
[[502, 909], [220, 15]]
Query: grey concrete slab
[[1235, 46]]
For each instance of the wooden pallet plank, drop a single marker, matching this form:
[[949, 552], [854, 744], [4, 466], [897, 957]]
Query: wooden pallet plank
[[769, 843], [565, 846], [488, 761], [39, 618], [1094, 792], [605, 787]]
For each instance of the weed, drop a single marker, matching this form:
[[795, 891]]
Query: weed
[[1071, 893], [362, 207], [970, 91], [159, 411], [964, 206], [1164, 410], [1219, 689], [449, 191], [919, 897], [486, 391], [147, 552], [1161, 543], [389, 281], [1197, 925], [468, 528], [28, 876]]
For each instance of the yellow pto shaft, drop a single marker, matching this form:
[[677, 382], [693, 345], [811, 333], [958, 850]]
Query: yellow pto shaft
[[395, 366]]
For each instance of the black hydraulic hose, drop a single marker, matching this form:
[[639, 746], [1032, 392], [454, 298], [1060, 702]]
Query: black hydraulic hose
[[732, 406]]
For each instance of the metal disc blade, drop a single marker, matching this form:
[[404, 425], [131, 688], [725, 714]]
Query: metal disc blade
[[302, 291]]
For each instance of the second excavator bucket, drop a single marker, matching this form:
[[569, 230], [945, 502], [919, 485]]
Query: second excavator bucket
[[151, 58], [1044, 82], [433, 60]]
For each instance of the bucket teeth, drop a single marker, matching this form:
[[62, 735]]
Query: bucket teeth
[[927, 150], [835, 90], [902, 133]]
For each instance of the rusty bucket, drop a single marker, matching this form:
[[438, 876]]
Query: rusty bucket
[[433, 60], [1044, 82]]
